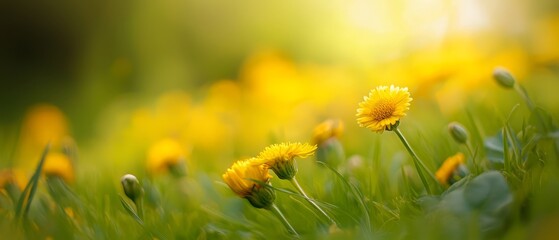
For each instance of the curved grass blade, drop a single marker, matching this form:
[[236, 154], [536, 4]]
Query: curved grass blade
[[29, 191], [131, 211], [358, 195]]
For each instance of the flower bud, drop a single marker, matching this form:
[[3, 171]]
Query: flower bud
[[458, 132], [503, 77], [262, 197], [131, 187], [285, 169]]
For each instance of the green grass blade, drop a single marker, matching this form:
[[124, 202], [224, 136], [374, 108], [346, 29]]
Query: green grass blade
[[358, 195], [26, 197], [131, 211]]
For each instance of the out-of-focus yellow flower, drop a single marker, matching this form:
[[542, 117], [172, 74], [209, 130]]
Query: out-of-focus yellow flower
[[58, 165], [280, 157], [164, 155], [42, 124], [328, 129], [383, 108], [240, 176], [450, 165], [172, 112], [269, 76], [12, 176], [545, 37]]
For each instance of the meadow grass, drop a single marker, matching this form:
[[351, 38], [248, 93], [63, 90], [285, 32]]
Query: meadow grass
[[505, 187]]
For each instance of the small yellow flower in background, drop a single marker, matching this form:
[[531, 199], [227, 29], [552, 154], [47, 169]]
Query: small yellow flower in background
[[280, 157], [42, 124], [383, 108], [325, 136], [241, 179], [12, 176], [449, 168], [164, 155], [58, 165], [328, 129]]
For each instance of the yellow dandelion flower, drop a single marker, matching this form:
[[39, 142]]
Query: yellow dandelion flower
[[383, 108], [58, 165], [6, 177], [165, 155], [15, 176], [240, 176], [450, 165], [328, 129], [280, 157]]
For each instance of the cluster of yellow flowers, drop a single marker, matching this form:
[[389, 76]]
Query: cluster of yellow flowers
[[245, 177]]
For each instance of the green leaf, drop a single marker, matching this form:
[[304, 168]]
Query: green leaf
[[494, 150], [485, 199]]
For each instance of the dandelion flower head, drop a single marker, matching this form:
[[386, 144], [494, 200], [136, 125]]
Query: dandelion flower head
[[449, 166], [284, 152], [164, 154], [59, 165], [240, 177], [328, 129], [383, 108]]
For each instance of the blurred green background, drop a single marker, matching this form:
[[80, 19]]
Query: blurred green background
[[104, 62]]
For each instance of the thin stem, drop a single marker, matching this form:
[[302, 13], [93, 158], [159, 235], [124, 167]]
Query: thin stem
[[522, 92], [140, 208], [416, 161], [295, 183], [275, 210], [476, 167]]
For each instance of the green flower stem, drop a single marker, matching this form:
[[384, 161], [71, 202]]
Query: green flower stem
[[275, 210], [522, 92], [140, 208], [295, 183], [476, 166], [417, 162]]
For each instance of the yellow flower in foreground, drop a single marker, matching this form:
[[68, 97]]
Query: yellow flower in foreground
[[383, 108], [280, 157], [450, 165], [244, 177], [328, 129], [165, 155], [238, 177], [58, 165]]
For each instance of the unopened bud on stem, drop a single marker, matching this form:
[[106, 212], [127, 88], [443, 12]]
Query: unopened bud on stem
[[503, 77]]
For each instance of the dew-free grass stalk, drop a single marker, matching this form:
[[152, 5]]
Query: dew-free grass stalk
[[295, 183], [473, 155], [417, 162], [275, 210], [140, 207]]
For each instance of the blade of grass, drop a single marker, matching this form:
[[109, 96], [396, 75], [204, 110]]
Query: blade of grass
[[26, 197], [357, 194], [131, 211]]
